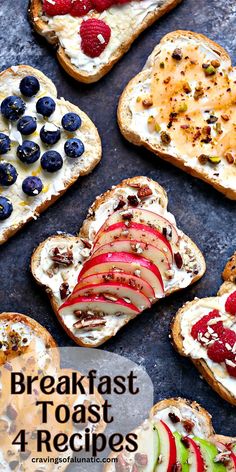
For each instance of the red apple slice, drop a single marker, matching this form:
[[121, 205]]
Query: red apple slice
[[129, 263], [140, 232], [196, 463], [97, 305], [114, 291], [120, 278], [149, 218], [168, 451], [135, 247]]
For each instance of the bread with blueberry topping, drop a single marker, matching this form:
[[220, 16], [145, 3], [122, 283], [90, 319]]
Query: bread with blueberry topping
[[46, 144]]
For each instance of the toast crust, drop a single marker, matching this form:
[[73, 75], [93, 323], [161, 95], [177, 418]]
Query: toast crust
[[200, 364], [84, 233], [21, 71], [124, 113], [35, 12]]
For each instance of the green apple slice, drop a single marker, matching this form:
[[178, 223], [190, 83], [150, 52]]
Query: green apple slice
[[182, 452], [146, 456], [209, 452]]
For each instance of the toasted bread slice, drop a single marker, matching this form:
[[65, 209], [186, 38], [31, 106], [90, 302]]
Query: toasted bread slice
[[183, 418], [60, 280], [127, 22], [182, 107], [55, 184], [27, 347], [215, 373]]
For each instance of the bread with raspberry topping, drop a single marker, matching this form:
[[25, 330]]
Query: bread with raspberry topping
[[72, 254], [130, 22], [216, 338], [182, 107]]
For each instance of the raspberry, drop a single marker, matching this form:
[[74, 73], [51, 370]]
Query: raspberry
[[101, 5], [81, 7], [56, 7], [201, 326], [230, 304], [95, 36], [231, 370], [228, 337], [217, 352]]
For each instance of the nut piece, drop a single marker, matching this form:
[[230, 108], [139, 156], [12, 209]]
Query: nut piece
[[199, 92], [229, 157], [147, 102], [210, 70], [215, 63], [64, 258], [174, 418], [177, 54], [165, 138], [188, 425], [178, 260], [144, 192], [203, 159], [64, 290], [132, 200]]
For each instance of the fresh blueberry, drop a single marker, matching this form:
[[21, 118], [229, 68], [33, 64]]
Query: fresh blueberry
[[45, 106], [13, 108], [5, 144], [32, 186], [5, 208], [28, 152], [50, 134], [71, 122], [74, 147], [29, 86], [27, 125], [8, 174], [51, 161]]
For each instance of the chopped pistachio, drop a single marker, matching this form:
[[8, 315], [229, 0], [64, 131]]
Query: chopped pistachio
[[177, 54], [138, 99], [214, 159], [183, 107], [157, 128], [162, 65], [165, 137], [210, 70], [218, 128]]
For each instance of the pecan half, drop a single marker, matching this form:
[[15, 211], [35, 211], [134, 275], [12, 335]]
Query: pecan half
[[121, 464], [178, 260], [188, 425], [144, 192], [64, 258], [64, 290], [174, 418], [141, 459]]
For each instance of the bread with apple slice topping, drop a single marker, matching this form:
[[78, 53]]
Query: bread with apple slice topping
[[125, 20], [178, 436], [182, 107], [204, 330], [37, 133], [128, 254]]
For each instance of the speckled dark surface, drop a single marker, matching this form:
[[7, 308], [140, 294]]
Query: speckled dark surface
[[201, 212]]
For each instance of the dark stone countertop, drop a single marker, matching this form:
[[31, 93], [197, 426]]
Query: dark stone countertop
[[201, 212]]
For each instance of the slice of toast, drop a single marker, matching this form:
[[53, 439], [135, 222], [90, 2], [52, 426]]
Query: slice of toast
[[184, 419], [56, 183], [182, 107], [57, 261], [215, 373], [126, 22], [26, 346]]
